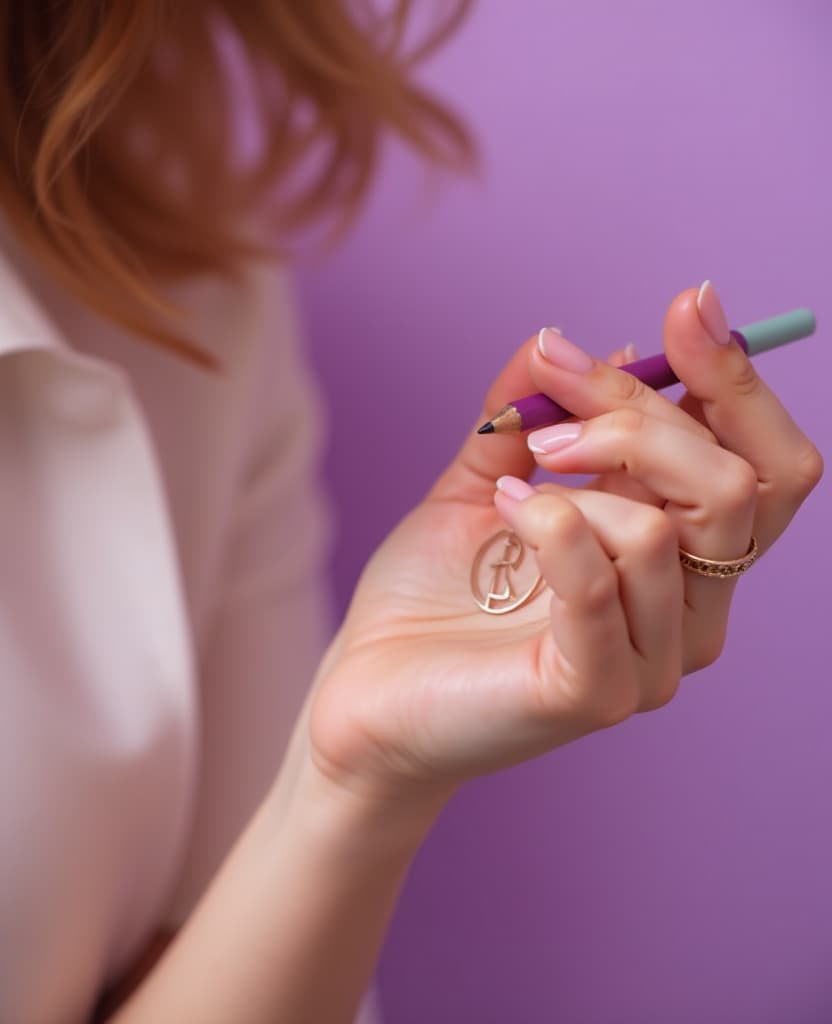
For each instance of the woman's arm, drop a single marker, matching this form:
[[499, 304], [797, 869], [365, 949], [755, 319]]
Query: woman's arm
[[291, 926]]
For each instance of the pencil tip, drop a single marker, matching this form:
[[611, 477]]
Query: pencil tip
[[486, 428]]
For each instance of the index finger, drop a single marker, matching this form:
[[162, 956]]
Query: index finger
[[589, 387], [481, 460]]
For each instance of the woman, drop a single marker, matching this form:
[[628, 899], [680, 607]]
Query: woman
[[163, 610]]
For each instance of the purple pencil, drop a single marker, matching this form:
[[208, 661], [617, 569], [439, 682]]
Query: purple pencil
[[540, 411]]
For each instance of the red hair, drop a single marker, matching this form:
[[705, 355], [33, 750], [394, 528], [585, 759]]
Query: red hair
[[117, 161]]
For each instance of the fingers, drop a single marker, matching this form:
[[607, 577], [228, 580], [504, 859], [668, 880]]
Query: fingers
[[481, 459], [589, 387], [739, 408], [709, 495], [616, 613], [710, 492], [642, 544]]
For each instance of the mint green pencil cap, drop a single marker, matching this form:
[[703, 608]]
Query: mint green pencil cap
[[778, 330]]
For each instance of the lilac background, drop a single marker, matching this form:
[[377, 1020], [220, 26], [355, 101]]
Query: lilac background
[[676, 868]]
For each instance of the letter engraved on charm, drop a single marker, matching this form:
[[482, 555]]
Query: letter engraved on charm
[[501, 567], [501, 596]]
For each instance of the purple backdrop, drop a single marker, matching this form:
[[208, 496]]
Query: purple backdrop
[[676, 868]]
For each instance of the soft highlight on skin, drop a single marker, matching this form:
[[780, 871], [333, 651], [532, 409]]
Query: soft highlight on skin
[[119, 169]]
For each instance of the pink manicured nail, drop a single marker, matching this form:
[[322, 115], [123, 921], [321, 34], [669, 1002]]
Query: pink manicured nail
[[514, 487], [712, 314], [552, 439], [630, 353], [554, 347]]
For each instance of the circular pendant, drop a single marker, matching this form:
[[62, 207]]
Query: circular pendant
[[498, 583]]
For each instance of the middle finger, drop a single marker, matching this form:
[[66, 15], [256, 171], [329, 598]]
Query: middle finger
[[709, 493], [589, 387]]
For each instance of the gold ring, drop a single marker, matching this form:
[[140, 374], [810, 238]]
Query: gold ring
[[711, 567]]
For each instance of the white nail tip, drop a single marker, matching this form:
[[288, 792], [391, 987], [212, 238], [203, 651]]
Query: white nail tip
[[702, 288], [557, 330]]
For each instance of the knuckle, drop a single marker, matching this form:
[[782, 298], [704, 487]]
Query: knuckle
[[808, 469], [560, 520], [628, 388], [617, 707], [600, 593], [662, 694], [652, 535], [628, 422], [737, 485], [745, 381]]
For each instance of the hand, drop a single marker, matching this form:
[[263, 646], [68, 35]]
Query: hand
[[422, 690]]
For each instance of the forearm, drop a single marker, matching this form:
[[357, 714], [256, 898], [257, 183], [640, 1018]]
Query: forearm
[[291, 927]]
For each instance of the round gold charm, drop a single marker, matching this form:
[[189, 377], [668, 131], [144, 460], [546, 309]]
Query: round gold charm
[[497, 582]]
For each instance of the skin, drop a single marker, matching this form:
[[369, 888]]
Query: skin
[[428, 691], [420, 690]]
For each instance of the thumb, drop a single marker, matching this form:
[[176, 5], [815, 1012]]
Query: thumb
[[738, 406], [472, 475], [482, 459]]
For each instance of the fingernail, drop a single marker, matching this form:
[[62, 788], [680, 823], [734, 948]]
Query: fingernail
[[562, 353], [712, 314], [552, 439], [630, 353], [514, 487]]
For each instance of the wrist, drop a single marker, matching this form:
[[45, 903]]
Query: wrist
[[351, 814], [358, 825]]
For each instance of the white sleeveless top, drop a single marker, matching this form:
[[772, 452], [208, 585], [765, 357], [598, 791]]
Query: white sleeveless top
[[163, 607]]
